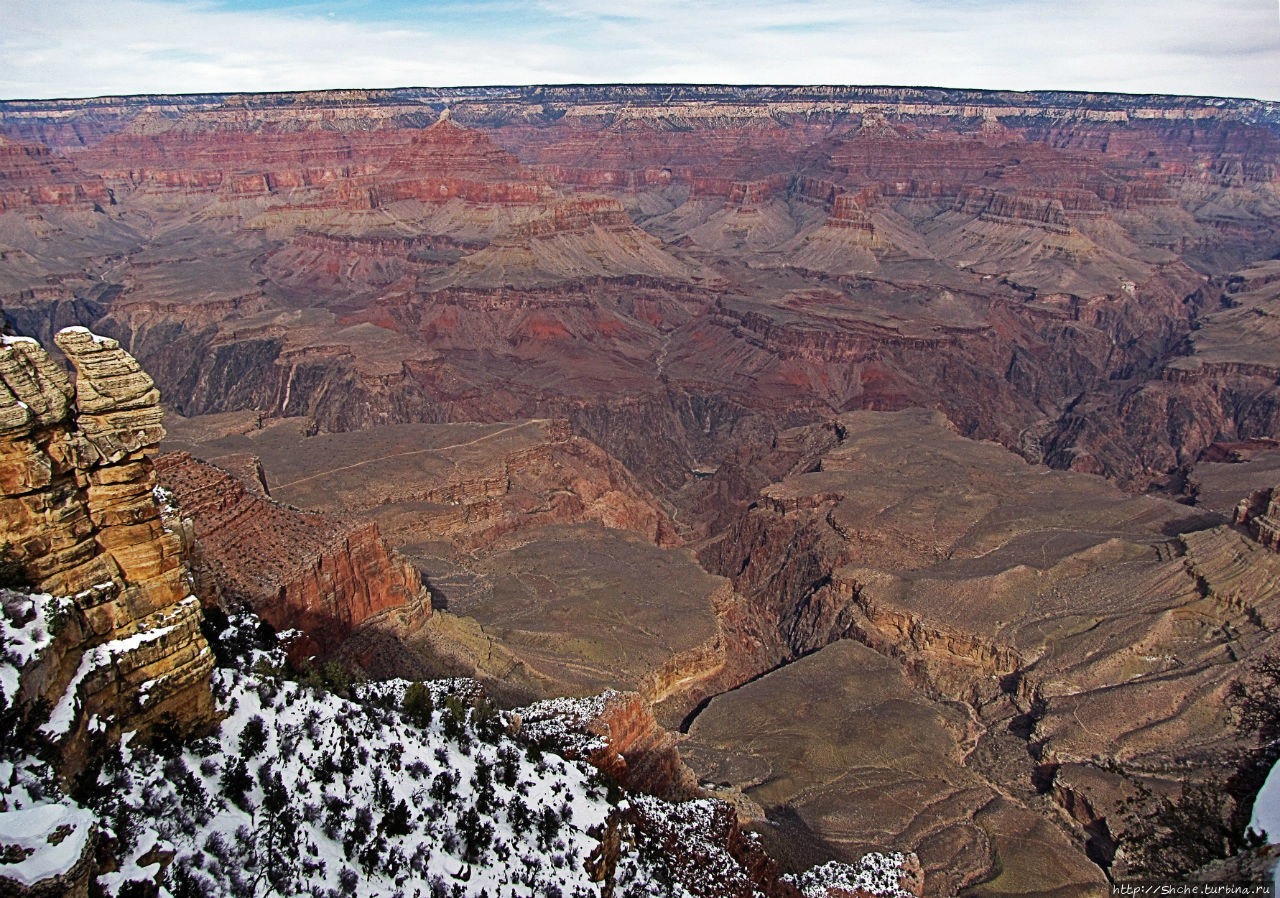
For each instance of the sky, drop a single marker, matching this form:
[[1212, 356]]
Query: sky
[[78, 48]]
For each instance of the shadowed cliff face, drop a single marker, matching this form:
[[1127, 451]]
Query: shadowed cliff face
[[558, 572], [636, 378]]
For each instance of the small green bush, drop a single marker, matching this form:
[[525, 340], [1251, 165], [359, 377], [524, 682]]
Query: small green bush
[[418, 706]]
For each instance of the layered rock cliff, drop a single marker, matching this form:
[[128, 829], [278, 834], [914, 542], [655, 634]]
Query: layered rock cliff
[[448, 161], [34, 176], [1260, 514], [1088, 280], [82, 517], [475, 486], [617, 733], [318, 573], [1064, 239], [1047, 606], [520, 517]]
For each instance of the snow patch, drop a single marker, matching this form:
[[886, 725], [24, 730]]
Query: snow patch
[[49, 837], [78, 329], [64, 713], [360, 789], [876, 874], [1266, 813], [118, 647], [26, 630], [563, 722]]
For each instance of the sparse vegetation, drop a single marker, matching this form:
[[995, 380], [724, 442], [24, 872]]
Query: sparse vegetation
[[1172, 836], [418, 706], [400, 789], [1255, 700]]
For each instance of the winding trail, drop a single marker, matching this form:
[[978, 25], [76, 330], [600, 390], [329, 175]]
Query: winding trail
[[370, 461]]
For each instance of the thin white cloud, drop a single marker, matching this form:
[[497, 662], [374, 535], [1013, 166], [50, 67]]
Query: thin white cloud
[[91, 47], [87, 47]]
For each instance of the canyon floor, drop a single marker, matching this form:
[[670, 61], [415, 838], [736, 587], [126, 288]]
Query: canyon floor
[[910, 451]]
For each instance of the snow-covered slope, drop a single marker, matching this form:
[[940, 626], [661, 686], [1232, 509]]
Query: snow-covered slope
[[387, 789], [1266, 813], [309, 792]]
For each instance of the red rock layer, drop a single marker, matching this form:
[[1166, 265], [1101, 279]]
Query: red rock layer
[[577, 214], [1068, 201], [1012, 208], [317, 573], [742, 193], [852, 210], [32, 176], [734, 157], [641, 755], [226, 159], [447, 161]]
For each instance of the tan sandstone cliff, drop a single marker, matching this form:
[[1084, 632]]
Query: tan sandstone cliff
[[82, 518], [1260, 515]]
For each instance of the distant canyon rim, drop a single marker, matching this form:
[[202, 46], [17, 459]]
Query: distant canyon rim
[[911, 451]]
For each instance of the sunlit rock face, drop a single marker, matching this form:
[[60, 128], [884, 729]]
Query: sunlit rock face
[[321, 574], [83, 517]]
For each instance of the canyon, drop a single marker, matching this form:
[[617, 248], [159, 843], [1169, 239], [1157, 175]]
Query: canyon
[[909, 454]]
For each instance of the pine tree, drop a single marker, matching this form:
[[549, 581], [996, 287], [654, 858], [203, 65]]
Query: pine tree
[[396, 821], [418, 706], [253, 738]]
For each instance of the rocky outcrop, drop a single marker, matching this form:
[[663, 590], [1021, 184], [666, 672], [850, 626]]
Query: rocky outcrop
[[318, 573], [1045, 213], [743, 194], [640, 753], [573, 240], [82, 515], [703, 844], [852, 210], [47, 851], [577, 214], [1260, 515], [617, 733]]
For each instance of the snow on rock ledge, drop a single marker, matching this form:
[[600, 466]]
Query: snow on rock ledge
[[617, 733], [46, 850]]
